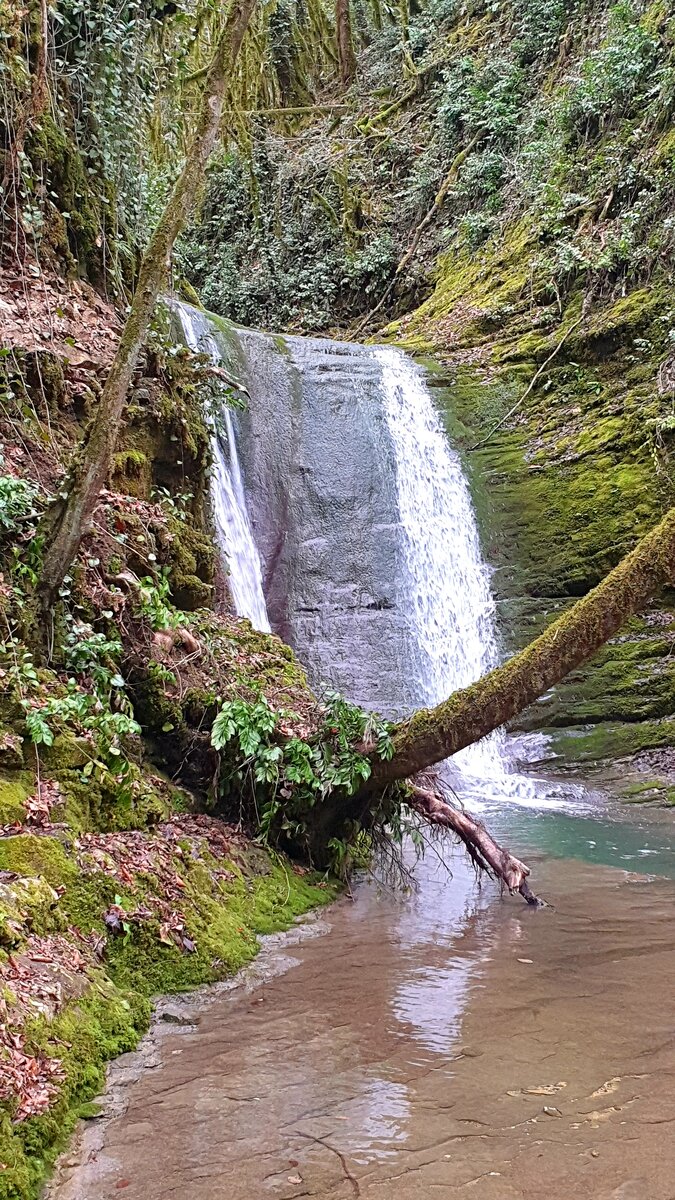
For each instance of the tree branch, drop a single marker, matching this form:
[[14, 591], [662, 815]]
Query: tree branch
[[424, 224], [483, 850], [527, 391]]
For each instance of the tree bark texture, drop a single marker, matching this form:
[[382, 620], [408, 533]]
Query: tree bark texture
[[70, 518], [345, 43], [485, 853]]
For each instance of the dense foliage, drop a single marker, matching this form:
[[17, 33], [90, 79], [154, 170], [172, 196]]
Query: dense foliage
[[562, 111]]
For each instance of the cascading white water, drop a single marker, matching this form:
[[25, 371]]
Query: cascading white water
[[451, 608], [227, 492]]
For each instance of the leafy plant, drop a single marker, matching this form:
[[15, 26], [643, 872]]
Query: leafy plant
[[154, 601], [289, 776], [18, 666], [18, 507], [79, 710], [95, 656], [616, 77]]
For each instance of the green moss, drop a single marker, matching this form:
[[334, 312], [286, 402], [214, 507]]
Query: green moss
[[652, 791], [192, 565], [631, 680], [84, 1038], [15, 788], [491, 281], [223, 922], [594, 743], [132, 469], [67, 753], [561, 517], [185, 290], [223, 917], [25, 902], [33, 855], [626, 317], [76, 241]]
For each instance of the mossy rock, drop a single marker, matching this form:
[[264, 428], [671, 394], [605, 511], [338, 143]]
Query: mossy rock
[[15, 788], [27, 902], [192, 565], [606, 742], [33, 855], [74, 242]]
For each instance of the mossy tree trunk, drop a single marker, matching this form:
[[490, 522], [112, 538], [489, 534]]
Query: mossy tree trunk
[[345, 43], [432, 735], [69, 517]]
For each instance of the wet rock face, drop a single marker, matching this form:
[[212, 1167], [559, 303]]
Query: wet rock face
[[320, 478]]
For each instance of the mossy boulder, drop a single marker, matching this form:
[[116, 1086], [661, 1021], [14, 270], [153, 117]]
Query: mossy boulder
[[15, 788]]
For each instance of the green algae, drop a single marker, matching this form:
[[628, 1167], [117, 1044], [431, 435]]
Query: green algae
[[600, 742], [652, 791]]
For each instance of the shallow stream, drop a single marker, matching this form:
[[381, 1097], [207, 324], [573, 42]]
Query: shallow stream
[[453, 1043]]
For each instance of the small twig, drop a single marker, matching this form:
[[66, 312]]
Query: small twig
[[526, 393], [333, 1149]]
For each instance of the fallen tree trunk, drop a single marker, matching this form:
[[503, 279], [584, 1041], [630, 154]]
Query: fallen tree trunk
[[481, 847], [432, 735], [69, 517]]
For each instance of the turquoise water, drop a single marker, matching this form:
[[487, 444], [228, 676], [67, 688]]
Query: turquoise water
[[602, 832]]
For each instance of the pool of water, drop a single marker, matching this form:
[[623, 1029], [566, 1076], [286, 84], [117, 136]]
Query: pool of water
[[452, 1042]]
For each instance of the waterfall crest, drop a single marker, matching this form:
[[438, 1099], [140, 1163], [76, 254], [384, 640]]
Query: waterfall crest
[[450, 603]]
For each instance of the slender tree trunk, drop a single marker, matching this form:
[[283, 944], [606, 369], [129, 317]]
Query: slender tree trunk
[[434, 734], [69, 518], [345, 43]]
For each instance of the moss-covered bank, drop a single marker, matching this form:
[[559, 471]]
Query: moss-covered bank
[[118, 881], [91, 927]]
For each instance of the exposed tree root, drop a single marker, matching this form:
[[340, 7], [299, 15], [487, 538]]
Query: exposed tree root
[[428, 799]]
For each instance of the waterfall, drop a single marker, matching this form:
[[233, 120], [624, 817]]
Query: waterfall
[[450, 603], [230, 511]]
